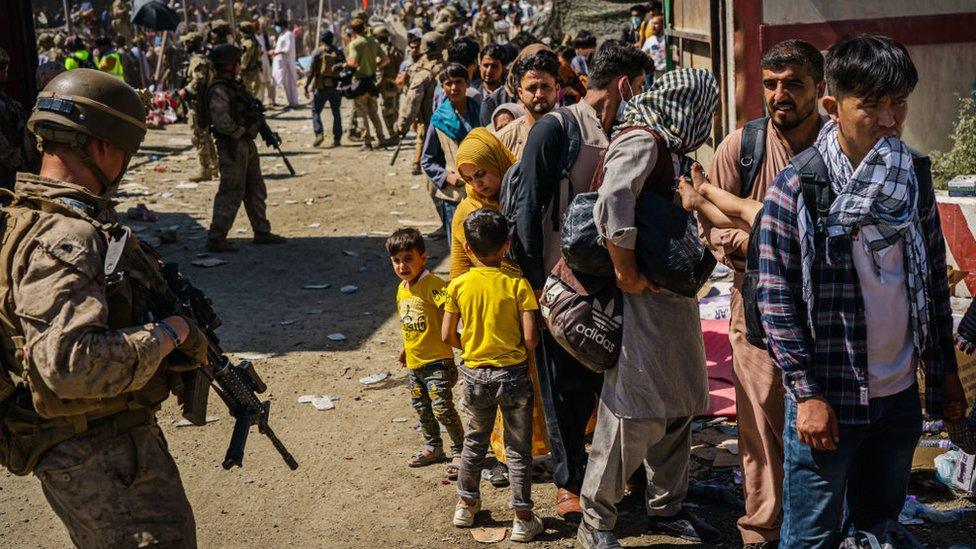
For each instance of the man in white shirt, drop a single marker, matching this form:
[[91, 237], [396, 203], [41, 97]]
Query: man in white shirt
[[283, 66]]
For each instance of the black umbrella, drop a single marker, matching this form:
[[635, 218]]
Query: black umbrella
[[154, 15]]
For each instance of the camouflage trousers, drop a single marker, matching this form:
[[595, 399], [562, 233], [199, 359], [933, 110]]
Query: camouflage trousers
[[418, 147], [367, 111], [118, 490], [204, 144], [390, 107], [252, 81], [240, 182], [432, 397]]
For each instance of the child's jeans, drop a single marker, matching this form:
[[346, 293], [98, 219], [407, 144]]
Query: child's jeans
[[431, 396], [485, 390]]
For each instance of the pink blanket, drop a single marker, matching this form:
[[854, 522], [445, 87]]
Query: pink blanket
[[718, 357]]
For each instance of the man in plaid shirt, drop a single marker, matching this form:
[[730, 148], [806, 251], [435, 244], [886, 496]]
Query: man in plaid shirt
[[856, 302]]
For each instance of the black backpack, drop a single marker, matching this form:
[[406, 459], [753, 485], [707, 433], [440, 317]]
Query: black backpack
[[752, 152], [818, 196], [512, 179]]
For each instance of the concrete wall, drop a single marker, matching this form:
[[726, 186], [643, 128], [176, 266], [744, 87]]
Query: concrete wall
[[787, 12], [946, 72]]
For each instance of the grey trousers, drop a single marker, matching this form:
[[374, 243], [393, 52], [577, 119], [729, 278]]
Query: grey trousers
[[485, 391], [619, 446]]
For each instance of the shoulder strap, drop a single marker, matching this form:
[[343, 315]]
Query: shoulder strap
[[923, 174], [751, 153], [814, 181], [571, 152]]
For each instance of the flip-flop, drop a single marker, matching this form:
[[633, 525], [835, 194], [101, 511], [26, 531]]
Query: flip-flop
[[453, 468], [424, 458]]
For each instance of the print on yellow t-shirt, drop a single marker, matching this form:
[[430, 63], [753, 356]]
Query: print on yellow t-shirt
[[420, 311]]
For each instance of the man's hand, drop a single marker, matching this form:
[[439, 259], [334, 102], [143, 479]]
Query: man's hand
[[816, 424], [453, 180], [953, 398], [629, 279]]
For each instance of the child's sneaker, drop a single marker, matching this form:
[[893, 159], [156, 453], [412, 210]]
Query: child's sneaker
[[526, 530], [464, 513]]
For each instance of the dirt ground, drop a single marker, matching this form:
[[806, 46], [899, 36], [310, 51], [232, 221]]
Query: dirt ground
[[352, 488]]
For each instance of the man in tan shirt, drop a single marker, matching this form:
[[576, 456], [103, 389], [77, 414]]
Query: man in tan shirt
[[538, 91], [793, 83]]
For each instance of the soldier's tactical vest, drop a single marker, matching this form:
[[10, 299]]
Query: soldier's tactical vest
[[32, 418], [327, 76], [241, 103], [254, 62]]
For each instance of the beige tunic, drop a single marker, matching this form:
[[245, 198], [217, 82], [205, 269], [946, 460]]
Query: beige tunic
[[513, 136], [661, 370]]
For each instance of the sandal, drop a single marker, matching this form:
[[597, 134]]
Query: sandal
[[453, 468], [425, 457]]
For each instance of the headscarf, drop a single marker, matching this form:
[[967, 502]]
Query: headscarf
[[482, 149], [678, 107], [880, 198], [446, 119], [514, 109]]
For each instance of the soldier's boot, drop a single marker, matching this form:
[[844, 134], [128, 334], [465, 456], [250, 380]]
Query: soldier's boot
[[416, 170], [202, 175], [318, 139], [269, 238], [220, 245]]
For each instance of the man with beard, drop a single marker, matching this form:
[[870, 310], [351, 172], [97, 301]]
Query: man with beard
[[538, 92], [746, 163]]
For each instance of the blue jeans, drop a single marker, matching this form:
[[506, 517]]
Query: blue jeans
[[867, 474], [446, 209], [321, 97]]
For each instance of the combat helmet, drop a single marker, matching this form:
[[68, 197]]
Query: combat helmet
[[193, 41], [225, 54], [432, 42], [82, 104], [245, 27]]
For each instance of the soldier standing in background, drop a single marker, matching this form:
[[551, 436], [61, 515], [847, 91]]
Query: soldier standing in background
[[389, 91], [220, 32], [105, 350], [199, 73], [234, 122], [120, 18], [251, 60], [418, 105], [366, 56], [13, 148], [324, 79]]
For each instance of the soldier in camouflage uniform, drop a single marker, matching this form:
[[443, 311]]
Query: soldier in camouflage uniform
[[13, 144], [234, 123], [389, 91], [120, 18], [220, 32], [199, 72], [88, 328], [418, 104], [251, 60], [484, 25]]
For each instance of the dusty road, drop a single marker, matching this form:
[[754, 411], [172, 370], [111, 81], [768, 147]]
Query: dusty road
[[353, 488]]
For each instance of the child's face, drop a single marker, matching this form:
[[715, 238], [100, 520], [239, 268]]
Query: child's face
[[408, 264], [503, 119]]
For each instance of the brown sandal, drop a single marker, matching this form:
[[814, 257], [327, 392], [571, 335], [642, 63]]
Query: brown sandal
[[453, 468], [425, 457]]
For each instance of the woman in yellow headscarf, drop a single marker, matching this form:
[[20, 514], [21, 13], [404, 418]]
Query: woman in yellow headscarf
[[482, 161]]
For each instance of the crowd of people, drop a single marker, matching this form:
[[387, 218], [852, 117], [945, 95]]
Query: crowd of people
[[830, 216]]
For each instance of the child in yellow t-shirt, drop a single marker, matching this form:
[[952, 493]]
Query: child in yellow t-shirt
[[432, 373], [498, 311]]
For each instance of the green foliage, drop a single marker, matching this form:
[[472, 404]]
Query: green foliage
[[961, 158]]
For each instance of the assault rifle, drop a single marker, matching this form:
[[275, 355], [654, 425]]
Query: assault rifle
[[236, 384], [270, 137]]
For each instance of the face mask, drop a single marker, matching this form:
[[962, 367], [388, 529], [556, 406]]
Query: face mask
[[635, 21], [624, 102], [277, 28]]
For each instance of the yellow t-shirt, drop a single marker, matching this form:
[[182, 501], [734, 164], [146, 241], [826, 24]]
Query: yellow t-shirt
[[490, 303], [420, 320]]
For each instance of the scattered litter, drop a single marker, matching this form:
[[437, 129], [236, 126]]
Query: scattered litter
[[142, 213], [316, 286], [720, 272], [186, 423], [399, 420], [166, 194], [309, 201], [484, 534], [375, 378], [395, 213], [208, 262], [159, 168], [240, 231], [414, 187], [290, 201], [306, 399], [315, 225], [731, 445], [336, 337], [286, 322], [445, 482], [350, 289], [187, 185], [350, 253], [253, 356], [391, 174]]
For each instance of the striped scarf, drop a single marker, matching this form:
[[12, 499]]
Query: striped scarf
[[678, 107], [879, 198]]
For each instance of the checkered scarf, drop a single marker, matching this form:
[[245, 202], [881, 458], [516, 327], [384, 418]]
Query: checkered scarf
[[880, 198], [678, 107]]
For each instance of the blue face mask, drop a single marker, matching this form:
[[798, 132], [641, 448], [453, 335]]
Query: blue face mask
[[635, 21], [622, 107], [277, 28]]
